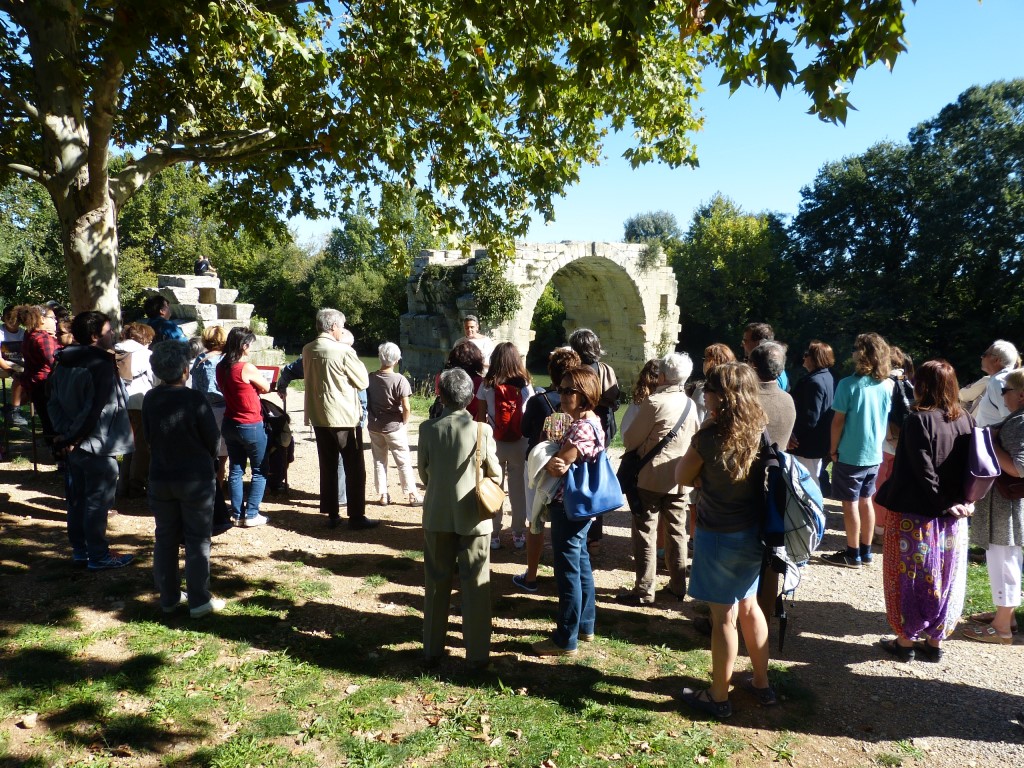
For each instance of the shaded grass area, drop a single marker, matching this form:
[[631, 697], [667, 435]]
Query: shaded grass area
[[256, 685]]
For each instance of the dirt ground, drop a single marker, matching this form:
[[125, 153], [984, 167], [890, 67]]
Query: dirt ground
[[967, 710]]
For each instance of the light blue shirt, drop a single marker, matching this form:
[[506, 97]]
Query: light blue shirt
[[865, 402]]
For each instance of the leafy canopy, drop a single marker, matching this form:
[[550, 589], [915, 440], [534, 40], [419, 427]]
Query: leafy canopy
[[486, 110]]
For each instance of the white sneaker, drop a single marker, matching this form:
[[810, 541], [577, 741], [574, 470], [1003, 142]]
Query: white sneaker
[[182, 600], [495, 542], [519, 540], [254, 521], [214, 606]]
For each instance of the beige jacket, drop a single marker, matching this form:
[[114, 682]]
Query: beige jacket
[[334, 374], [655, 418], [447, 464]]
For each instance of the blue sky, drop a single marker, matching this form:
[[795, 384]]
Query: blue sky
[[760, 150]]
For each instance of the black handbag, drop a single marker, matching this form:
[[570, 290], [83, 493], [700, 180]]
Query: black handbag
[[632, 462]]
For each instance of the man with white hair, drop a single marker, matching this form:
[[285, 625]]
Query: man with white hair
[[334, 374], [666, 411], [997, 361]]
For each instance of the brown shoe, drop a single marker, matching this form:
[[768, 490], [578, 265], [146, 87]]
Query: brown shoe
[[985, 634]]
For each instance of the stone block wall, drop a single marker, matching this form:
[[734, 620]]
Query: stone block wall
[[200, 302], [607, 287]]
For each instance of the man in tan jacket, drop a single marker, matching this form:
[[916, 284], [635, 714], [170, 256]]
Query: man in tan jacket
[[668, 408], [334, 374]]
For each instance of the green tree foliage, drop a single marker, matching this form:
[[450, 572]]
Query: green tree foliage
[[486, 110], [364, 268], [730, 272], [922, 242], [548, 326], [270, 271], [30, 270], [653, 225]]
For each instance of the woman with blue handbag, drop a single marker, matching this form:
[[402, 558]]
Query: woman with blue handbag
[[583, 444]]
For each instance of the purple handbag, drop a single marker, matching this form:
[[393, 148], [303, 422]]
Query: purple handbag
[[982, 465]]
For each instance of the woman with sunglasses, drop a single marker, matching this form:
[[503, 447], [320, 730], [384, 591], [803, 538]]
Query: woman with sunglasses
[[998, 524], [812, 397], [724, 460], [580, 392]]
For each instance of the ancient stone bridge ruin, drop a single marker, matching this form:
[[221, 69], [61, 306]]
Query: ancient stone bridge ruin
[[626, 297]]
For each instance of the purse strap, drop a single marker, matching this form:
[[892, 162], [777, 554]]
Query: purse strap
[[666, 439], [479, 438]]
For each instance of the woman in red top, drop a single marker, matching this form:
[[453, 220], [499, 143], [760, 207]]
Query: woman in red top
[[241, 384], [38, 349]]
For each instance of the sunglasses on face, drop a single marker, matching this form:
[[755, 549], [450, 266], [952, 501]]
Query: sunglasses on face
[[1009, 389], [568, 391]]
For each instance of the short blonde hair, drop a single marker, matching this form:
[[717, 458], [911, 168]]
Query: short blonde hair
[[214, 337]]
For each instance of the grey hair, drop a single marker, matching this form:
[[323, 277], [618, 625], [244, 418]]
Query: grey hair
[[587, 345], [455, 388], [326, 319], [1005, 351], [169, 361], [769, 360], [474, 318], [389, 353], [676, 367]]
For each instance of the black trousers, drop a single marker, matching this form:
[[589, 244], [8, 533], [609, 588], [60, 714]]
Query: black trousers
[[345, 443]]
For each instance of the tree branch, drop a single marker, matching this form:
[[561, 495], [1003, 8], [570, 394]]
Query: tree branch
[[17, 101], [244, 146], [25, 171]]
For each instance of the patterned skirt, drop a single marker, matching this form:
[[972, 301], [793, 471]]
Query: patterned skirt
[[924, 574]]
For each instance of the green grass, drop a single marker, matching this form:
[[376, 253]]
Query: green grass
[[225, 694]]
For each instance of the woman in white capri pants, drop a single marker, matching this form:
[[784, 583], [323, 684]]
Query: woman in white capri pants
[[388, 411]]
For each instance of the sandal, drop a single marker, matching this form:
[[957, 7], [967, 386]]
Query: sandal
[[983, 633], [701, 701], [765, 696], [926, 652], [901, 653], [987, 617]]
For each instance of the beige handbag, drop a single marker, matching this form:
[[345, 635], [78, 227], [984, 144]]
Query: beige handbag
[[489, 495]]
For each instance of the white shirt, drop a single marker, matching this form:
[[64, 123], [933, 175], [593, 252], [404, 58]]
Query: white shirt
[[992, 410], [484, 344]]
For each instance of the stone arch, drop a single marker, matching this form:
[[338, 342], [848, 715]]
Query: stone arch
[[605, 286]]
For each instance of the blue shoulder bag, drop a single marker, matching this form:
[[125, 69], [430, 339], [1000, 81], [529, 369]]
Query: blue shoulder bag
[[591, 489]]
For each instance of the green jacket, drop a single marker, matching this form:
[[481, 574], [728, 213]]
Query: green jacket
[[334, 374], [447, 462]]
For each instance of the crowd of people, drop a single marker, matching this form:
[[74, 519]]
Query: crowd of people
[[890, 442]]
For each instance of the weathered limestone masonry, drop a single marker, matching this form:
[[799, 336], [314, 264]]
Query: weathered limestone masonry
[[606, 287], [196, 300]]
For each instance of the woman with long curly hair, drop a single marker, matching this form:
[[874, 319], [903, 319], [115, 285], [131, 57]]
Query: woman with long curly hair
[[503, 395], [724, 459], [925, 546]]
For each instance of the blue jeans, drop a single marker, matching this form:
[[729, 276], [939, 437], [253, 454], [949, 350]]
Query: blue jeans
[[91, 482], [574, 578], [246, 443]]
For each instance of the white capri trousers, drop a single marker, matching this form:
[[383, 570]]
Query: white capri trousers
[[397, 444], [1004, 565]]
